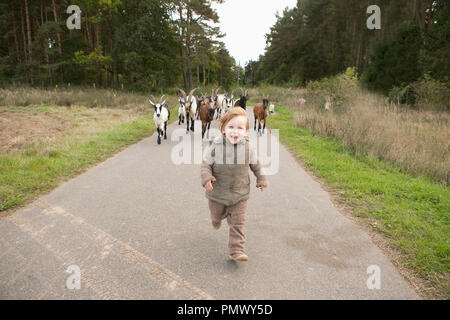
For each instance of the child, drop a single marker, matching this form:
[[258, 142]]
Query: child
[[225, 177]]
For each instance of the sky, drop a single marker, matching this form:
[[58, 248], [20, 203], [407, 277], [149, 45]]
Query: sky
[[246, 22]]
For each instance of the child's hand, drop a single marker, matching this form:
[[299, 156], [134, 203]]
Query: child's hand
[[261, 188], [208, 186]]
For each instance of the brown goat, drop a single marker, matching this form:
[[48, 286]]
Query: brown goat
[[260, 112], [206, 115]]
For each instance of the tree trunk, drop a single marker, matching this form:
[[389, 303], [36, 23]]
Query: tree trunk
[[27, 12], [16, 41], [97, 35], [188, 50], [182, 46], [24, 41], [27, 17], [42, 12], [204, 75], [198, 74], [58, 35]]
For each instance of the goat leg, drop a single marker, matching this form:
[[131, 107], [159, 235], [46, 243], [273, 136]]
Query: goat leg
[[187, 123], [165, 130], [159, 136]]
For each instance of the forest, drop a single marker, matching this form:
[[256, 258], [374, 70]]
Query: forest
[[136, 44], [321, 38], [151, 44]]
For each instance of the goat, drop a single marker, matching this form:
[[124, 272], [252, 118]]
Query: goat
[[225, 103], [206, 115], [215, 101], [220, 105], [328, 105], [260, 112], [181, 111], [161, 117], [242, 101], [191, 105], [271, 109]]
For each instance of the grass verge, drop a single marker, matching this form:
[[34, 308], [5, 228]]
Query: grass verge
[[39, 168], [411, 212]]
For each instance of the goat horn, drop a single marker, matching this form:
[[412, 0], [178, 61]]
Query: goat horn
[[161, 100], [183, 93], [191, 93]]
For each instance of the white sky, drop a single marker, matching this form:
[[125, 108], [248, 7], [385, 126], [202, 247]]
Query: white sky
[[246, 22]]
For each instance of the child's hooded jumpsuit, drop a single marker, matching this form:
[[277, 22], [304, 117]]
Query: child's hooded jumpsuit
[[229, 164]]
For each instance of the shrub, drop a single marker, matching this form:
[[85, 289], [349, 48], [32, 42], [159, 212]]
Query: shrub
[[432, 94]]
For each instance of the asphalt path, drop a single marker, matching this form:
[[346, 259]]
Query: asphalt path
[[137, 227]]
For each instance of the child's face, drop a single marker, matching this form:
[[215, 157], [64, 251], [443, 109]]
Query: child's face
[[236, 129]]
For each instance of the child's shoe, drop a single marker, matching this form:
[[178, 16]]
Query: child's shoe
[[217, 224], [239, 257]]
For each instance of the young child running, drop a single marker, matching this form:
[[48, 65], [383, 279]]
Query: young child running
[[225, 177]]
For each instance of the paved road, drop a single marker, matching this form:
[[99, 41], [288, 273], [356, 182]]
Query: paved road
[[138, 227]]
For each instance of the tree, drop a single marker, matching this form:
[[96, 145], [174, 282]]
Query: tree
[[193, 28]]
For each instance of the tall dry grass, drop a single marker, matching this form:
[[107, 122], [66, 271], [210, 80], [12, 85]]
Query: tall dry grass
[[418, 142], [103, 98]]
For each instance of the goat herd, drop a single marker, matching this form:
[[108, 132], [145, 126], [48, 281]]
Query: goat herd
[[205, 108]]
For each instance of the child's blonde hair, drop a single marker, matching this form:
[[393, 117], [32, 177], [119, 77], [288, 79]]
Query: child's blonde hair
[[230, 115]]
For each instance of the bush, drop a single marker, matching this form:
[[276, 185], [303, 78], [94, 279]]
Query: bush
[[432, 94], [338, 89], [403, 95]]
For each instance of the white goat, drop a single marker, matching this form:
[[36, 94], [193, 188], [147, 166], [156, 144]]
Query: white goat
[[271, 109], [161, 117], [192, 108], [225, 103], [328, 105], [181, 111]]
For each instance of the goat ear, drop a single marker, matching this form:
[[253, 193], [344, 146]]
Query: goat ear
[[151, 102], [164, 102]]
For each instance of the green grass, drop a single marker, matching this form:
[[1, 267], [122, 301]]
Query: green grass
[[412, 212], [27, 174]]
